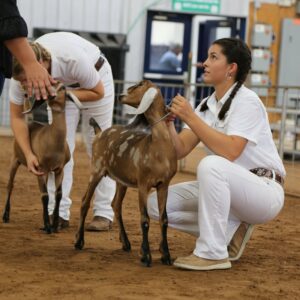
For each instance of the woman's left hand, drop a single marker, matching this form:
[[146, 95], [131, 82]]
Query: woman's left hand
[[181, 108]]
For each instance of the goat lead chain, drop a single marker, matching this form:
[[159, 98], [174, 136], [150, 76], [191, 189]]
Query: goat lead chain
[[159, 120], [163, 117]]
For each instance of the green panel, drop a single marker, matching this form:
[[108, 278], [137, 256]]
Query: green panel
[[197, 6]]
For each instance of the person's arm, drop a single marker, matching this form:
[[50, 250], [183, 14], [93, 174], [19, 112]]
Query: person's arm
[[92, 94], [228, 146], [184, 142], [38, 78], [21, 133]]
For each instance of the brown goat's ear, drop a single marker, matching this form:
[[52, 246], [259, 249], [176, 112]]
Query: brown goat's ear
[[60, 86], [35, 104], [74, 99]]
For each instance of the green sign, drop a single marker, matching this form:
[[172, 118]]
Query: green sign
[[197, 6]]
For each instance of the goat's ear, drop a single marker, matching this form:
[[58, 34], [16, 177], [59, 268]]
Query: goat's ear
[[147, 100], [75, 100], [35, 104]]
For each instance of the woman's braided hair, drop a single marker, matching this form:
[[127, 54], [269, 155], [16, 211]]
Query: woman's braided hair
[[236, 51], [40, 52]]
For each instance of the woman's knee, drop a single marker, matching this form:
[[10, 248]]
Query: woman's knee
[[210, 164]]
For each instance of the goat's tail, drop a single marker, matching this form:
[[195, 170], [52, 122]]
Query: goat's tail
[[95, 125]]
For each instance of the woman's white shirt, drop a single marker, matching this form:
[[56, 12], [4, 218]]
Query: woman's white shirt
[[247, 118], [72, 61]]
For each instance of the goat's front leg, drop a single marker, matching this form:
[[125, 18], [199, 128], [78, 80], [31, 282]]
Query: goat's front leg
[[42, 180], [58, 195], [117, 207], [145, 248], [162, 194], [13, 170], [85, 205]]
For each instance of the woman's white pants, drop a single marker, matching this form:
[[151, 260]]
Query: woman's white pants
[[101, 111], [212, 208]]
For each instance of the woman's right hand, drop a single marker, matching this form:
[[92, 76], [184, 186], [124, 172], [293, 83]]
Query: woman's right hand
[[170, 119], [33, 165]]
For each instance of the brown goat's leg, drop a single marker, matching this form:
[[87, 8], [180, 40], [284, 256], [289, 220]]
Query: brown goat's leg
[[85, 205], [13, 170], [42, 180], [58, 196], [117, 207], [162, 194], [145, 248]]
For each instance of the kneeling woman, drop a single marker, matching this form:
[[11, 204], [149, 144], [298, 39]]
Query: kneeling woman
[[240, 182]]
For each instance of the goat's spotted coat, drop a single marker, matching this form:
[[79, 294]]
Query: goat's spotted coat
[[135, 156]]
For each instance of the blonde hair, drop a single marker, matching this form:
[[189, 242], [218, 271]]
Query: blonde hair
[[40, 53]]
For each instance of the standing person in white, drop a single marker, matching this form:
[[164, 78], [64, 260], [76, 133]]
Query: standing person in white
[[240, 182], [71, 60]]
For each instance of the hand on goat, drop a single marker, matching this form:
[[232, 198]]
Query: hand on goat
[[170, 118], [181, 108], [33, 165], [39, 81]]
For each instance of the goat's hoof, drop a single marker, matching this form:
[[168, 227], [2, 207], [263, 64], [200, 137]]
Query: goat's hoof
[[79, 245], [5, 217], [126, 246], [54, 230], [146, 260], [167, 260], [47, 229]]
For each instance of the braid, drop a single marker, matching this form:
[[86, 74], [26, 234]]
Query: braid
[[204, 106], [227, 104]]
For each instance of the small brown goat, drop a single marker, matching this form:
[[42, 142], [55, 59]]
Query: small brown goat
[[135, 157], [49, 144]]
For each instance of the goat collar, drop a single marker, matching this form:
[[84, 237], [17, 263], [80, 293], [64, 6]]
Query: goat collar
[[145, 103]]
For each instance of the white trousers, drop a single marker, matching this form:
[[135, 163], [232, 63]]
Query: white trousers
[[212, 208], [101, 111]]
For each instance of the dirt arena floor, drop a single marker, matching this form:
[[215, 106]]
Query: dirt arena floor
[[34, 265]]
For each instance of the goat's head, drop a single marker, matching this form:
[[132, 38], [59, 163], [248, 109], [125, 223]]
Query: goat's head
[[57, 102], [140, 96]]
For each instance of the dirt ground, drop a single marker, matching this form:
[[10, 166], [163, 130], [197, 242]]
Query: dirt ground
[[34, 265]]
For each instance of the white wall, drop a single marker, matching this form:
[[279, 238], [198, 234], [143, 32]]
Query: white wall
[[107, 16], [110, 16]]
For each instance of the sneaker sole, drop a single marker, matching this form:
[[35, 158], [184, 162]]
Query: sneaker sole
[[245, 241], [223, 266]]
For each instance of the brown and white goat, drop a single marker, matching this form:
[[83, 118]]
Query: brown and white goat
[[49, 144], [135, 157]]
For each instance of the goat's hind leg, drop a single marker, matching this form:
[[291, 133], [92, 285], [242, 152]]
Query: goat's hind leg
[[85, 205], [117, 207], [42, 180], [162, 194], [13, 170]]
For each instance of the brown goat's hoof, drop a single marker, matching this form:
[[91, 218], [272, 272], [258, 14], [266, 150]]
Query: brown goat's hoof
[[126, 246], [79, 245], [146, 260], [5, 218], [167, 260], [48, 230]]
